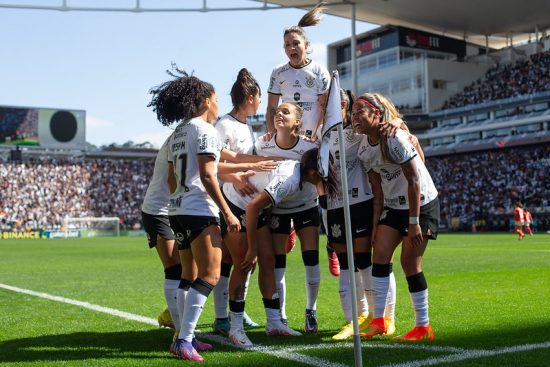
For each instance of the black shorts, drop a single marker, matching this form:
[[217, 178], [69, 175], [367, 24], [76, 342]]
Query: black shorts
[[361, 222], [399, 219], [241, 216], [156, 225], [189, 227], [280, 223]]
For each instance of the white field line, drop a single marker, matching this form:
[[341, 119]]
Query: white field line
[[289, 352], [471, 354]]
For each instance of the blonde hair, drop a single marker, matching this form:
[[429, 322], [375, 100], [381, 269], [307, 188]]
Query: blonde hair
[[388, 112]]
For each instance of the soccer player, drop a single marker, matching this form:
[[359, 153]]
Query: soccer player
[[237, 136], [365, 206], [299, 80], [519, 220], [410, 214], [193, 153], [154, 213], [303, 211], [527, 219]]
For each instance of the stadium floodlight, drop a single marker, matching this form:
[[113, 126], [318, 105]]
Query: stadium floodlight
[[92, 226]]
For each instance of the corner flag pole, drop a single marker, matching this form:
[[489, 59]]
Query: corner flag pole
[[333, 118]]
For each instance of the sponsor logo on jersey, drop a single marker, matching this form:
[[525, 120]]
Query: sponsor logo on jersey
[[271, 83], [398, 154], [296, 83], [389, 175], [402, 200], [354, 192], [296, 96]]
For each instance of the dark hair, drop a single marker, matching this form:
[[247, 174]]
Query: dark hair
[[347, 97], [244, 86], [311, 18], [180, 98], [299, 113], [310, 160]]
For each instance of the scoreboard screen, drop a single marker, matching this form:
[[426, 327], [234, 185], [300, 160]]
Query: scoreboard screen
[[44, 127]]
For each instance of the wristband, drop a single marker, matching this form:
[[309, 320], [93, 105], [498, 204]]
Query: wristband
[[414, 220]]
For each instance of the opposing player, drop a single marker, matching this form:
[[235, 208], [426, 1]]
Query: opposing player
[[301, 79], [519, 220], [302, 210], [527, 220], [193, 154], [410, 215]]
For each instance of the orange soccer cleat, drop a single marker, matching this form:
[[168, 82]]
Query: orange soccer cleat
[[333, 263], [376, 327], [418, 333], [291, 240]]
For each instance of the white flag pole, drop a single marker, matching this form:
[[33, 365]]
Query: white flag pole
[[349, 246]]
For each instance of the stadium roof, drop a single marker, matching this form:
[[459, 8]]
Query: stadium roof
[[474, 19]]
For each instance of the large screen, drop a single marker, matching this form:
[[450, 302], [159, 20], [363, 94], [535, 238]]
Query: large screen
[[44, 127]]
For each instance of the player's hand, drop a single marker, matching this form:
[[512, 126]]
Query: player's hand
[[390, 129], [414, 140], [233, 224], [249, 262], [242, 185], [266, 137], [264, 166], [415, 235]]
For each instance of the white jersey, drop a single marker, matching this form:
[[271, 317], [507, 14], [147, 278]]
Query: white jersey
[[308, 196], [301, 85], [271, 183], [235, 135], [190, 139], [157, 196], [394, 183], [359, 189]]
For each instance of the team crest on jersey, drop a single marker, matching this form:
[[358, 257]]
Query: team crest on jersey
[[296, 96], [310, 81], [274, 222], [336, 230]]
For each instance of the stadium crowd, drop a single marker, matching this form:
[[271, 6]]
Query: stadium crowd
[[523, 77], [477, 187], [40, 193], [481, 188]]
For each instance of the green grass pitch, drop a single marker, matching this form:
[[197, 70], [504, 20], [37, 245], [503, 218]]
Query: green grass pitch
[[489, 306]]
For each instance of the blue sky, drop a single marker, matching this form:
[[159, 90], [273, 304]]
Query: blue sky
[[106, 62]]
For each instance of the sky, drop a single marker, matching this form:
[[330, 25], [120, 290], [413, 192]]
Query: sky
[[106, 62]]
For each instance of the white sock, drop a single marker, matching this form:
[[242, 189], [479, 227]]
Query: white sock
[[368, 286], [221, 297], [181, 295], [280, 284], [313, 279], [390, 300], [237, 317], [419, 302], [171, 296], [362, 304], [381, 285], [194, 302], [345, 296]]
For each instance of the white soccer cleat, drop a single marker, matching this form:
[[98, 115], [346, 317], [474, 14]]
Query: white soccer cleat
[[239, 338], [278, 328]]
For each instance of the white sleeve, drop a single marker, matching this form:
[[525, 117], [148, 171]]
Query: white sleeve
[[280, 187], [323, 80], [208, 142], [225, 135], [274, 86], [401, 149]]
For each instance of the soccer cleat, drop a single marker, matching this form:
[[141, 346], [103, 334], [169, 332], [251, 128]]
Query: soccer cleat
[[187, 352], [418, 333], [311, 321], [278, 328], [222, 326], [291, 242], [201, 346], [376, 327], [175, 346], [238, 337], [165, 320], [333, 264], [390, 326], [347, 330], [249, 323]]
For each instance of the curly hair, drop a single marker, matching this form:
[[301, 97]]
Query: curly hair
[[311, 18], [244, 86], [181, 98]]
